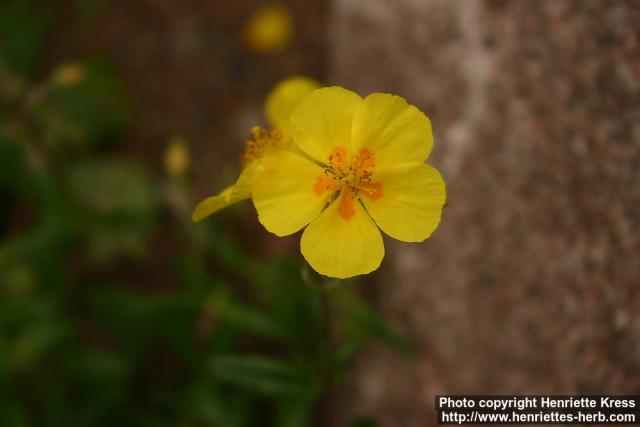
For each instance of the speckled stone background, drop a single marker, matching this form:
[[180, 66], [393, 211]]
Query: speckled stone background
[[532, 282]]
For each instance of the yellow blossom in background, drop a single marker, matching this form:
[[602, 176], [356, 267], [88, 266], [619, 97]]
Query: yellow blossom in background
[[283, 98], [269, 30], [360, 169], [260, 143], [176, 158], [69, 74]]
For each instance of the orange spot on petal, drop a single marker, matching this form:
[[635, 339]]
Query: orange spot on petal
[[323, 184], [346, 209], [365, 160], [371, 189]]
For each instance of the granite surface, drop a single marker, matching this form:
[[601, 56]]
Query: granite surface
[[532, 282]]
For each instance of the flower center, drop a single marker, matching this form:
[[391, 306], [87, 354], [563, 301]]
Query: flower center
[[260, 143], [348, 178]]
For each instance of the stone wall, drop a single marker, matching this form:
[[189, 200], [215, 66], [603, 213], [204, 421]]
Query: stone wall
[[532, 282]]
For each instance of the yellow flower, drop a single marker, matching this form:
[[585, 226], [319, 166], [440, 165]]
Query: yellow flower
[[284, 97], [269, 30], [176, 159], [69, 74], [361, 167]]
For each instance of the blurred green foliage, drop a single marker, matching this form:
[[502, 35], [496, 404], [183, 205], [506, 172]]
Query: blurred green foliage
[[22, 27], [87, 336]]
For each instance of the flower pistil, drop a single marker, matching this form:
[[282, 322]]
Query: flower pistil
[[348, 179]]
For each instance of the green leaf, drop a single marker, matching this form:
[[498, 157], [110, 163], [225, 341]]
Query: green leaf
[[294, 411], [365, 322], [12, 413], [207, 404], [227, 251], [262, 374], [125, 313], [33, 346], [295, 306], [97, 367], [119, 205], [253, 321], [114, 188]]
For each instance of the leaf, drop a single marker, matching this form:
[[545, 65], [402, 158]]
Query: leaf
[[35, 345], [294, 411], [262, 374], [207, 404], [295, 306], [227, 251], [97, 367], [118, 203], [12, 413], [253, 321], [114, 188], [366, 323], [125, 313]]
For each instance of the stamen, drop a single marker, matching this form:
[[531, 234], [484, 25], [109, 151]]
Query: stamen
[[260, 143], [338, 159], [348, 179], [364, 162]]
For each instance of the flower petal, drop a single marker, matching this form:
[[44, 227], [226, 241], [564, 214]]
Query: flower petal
[[411, 201], [339, 247], [322, 121], [269, 30], [283, 98], [283, 192], [235, 193], [393, 130]]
